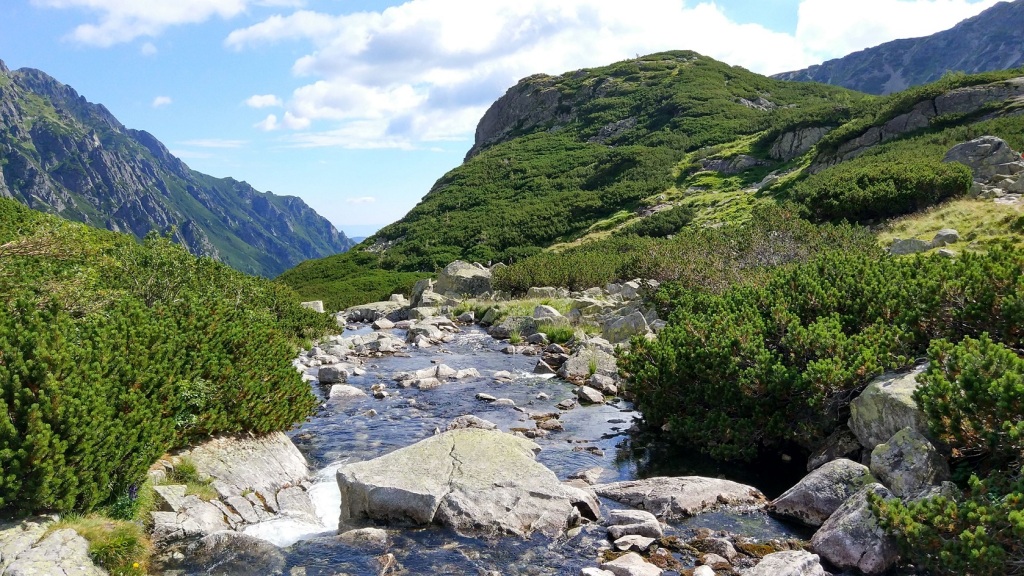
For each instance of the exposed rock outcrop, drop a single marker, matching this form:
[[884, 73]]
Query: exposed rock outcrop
[[473, 481], [960, 101], [797, 142]]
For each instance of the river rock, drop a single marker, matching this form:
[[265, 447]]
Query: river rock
[[62, 553], [231, 554], [470, 421], [703, 571], [787, 563], [885, 407], [633, 523], [523, 325], [605, 384], [852, 539], [675, 498], [332, 375], [460, 279], [631, 564], [473, 481], [383, 324], [588, 395], [372, 311], [253, 464], [822, 492], [342, 392], [365, 538], [908, 464], [633, 543]]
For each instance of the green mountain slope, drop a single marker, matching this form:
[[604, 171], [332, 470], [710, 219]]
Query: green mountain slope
[[593, 153], [63, 155]]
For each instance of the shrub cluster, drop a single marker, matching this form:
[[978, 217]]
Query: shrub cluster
[[778, 361], [973, 394], [112, 353], [880, 186]]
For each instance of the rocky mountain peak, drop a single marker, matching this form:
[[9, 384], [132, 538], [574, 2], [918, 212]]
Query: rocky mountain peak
[[60, 153], [992, 40], [3, 68]]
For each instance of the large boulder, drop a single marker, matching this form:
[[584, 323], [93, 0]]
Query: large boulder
[[263, 465], [523, 325], [622, 329], [852, 539], [62, 553], [885, 407], [987, 157], [787, 563], [822, 492], [474, 481], [460, 279], [908, 464], [586, 362], [797, 142], [675, 498], [373, 311]]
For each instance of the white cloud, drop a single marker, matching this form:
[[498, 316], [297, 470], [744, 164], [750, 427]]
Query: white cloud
[[148, 49], [124, 20], [830, 29], [215, 143], [426, 70], [263, 101], [161, 101], [361, 200]]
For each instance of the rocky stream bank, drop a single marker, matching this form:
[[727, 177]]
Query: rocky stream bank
[[443, 448]]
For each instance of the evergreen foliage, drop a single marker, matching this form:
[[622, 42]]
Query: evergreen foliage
[[778, 361], [112, 353], [973, 394]]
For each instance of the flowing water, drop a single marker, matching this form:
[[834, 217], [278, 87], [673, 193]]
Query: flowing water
[[593, 436]]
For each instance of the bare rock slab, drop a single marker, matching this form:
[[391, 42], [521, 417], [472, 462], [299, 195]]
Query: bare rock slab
[[480, 482], [675, 498], [62, 553]]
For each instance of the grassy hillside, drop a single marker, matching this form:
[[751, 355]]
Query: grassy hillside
[[638, 146], [613, 141]]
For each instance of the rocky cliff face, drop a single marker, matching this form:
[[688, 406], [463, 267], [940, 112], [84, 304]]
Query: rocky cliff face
[[992, 40], [61, 154]]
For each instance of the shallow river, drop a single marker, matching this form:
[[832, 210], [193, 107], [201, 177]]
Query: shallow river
[[593, 436]]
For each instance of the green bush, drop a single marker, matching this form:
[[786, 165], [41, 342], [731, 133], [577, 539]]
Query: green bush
[[880, 187], [779, 360], [973, 394], [664, 223], [112, 353]]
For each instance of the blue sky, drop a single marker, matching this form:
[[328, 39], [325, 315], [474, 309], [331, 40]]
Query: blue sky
[[359, 106]]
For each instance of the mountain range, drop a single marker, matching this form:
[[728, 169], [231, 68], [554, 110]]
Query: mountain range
[[63, 155], [992, 40]]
